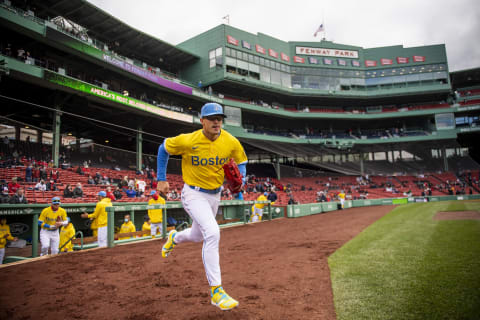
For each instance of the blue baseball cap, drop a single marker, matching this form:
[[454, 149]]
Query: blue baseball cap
[[102, 194], [152, 192], [265, 193], [211, 109], [56, 200]]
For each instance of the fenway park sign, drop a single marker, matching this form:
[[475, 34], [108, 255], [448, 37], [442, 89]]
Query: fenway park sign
[[327, 52]]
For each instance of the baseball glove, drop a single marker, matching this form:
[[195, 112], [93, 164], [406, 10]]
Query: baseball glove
[[233, 176]]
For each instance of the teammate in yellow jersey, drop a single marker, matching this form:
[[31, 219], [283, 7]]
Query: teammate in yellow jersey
[[341, 196], [4, 236], [50, 220], [155, 215], [147, 226], [203, 152], [66, 234], [127, 226], [257, 208], [100, 214]]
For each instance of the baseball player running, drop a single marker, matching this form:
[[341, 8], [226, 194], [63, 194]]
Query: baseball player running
[[203, 153], [257, 208], [50, 220]]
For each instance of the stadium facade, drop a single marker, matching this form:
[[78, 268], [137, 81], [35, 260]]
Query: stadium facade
[[321, 105]]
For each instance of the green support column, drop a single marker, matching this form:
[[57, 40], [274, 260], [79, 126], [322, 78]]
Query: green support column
[[35, 235], [278, 167], [164, 223], [445, 160], [111, 227], [139, 148], [56, 136], [362, 169]]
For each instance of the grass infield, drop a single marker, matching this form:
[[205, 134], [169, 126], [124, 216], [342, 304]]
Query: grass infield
[[409, 266]]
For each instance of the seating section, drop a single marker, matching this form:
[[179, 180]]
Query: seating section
[[303, 190]]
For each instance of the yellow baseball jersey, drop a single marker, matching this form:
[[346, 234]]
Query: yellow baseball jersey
[[100, 214], [261, 198], [202, 159], [341, 195], [156, 215], [48, 216], [127, 227], [65, 234], [146, 226], [5, 235]]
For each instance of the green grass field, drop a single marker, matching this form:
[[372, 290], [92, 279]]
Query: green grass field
[[409, 266]]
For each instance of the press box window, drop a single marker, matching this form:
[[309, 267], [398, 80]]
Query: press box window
[[215, 57]]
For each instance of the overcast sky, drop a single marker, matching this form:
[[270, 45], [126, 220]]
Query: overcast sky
[[367, 24]]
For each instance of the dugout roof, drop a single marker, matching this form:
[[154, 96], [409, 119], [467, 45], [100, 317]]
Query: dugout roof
[[110, 30]]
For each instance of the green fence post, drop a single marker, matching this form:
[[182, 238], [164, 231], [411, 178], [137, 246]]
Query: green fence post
[[132, 216], [164, 222], [269, 211], [111, 227], [35, 236]]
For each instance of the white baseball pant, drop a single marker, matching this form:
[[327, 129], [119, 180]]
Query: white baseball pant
[[102, 237], [154, 227], [49, 239], [202, 208]]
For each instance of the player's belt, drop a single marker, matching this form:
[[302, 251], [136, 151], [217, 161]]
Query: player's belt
[[209, 191]]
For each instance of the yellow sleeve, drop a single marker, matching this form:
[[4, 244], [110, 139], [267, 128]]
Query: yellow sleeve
[[132, 228], [177, 145], [9, 234], [64, 214], [95, 213], [43, 216], [238, 153]]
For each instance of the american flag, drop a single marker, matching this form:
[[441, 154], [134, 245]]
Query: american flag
[[320, 29]]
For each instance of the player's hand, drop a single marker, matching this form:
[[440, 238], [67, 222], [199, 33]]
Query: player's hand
[[84, 215], [58, 224], [163, 187]]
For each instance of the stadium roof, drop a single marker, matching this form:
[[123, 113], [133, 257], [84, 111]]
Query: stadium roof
[[112, 31], [465, 78]]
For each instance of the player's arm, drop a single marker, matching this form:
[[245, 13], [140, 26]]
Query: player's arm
[[41, 220], [9, 236], [162, 161]]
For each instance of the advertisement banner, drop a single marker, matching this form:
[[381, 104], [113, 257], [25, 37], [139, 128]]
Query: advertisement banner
[[272, 53], [370, 63], [146, 74], [385, 61], [402, 60], [284, 57], [312, 60], [298, 59], [418, 58], [327, 52], [327, 61], [355, 63], [260, 49], [341, 62], [115, 97], [232, 40], [246, 45]]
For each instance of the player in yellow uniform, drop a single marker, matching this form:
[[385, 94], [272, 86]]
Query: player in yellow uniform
[[127, 226], [341, 196], [155, 215], [66, 233], [147, 225], [4, 236], [94, 227], [257, 208], [203, 152], [100, 214], [51, 218]]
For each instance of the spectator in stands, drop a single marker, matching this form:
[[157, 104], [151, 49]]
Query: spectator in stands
[[126, 227], [13, 186], [18, 198], [41, 186], [52, 186], [90, 180], [67, 192], [79, 170], [272, 196], [110, 194], [4, 197], [131, 193], [54, 175], [124, 183], [43, 173], [78, 191], [36, 174], [118, 193], [141, 188], [28, 173], [5, 236], [291, 200]]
